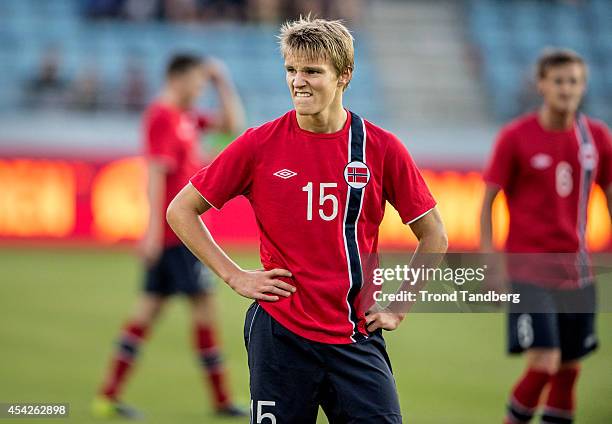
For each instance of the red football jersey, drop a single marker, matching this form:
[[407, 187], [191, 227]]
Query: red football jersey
[[547, 177], [319, 200], [171, 136]]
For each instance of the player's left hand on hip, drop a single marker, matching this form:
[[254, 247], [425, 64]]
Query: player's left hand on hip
[[385, 320]]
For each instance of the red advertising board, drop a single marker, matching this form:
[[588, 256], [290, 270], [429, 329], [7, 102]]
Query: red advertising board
[[103, 201]]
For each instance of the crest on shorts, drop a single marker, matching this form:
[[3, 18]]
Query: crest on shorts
[[357, 174]]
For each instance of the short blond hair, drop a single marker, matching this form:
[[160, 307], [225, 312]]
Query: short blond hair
[[316, 38]]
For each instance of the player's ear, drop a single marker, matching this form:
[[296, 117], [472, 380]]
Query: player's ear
[[345, 77]]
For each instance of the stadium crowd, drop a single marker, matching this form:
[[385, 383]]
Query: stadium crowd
[[47, 88], [190, 11]]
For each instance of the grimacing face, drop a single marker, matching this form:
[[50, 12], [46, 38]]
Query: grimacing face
[[313, 84], [563, 87]]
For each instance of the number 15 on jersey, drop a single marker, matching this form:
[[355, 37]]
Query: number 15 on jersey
[[323, 199]]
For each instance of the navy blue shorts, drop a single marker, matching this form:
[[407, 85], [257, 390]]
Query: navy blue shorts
[[178, 271], [290, 377], [572, 333]]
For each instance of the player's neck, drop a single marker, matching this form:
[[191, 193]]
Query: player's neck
[[555, 121], [325, 122], [171, 98]]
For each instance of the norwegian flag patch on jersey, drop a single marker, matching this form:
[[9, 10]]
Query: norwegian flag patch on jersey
[[357, 174]]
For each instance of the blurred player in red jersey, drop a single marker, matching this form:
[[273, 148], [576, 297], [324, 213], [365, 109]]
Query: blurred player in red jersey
[[546, 163], [318, 179], [171, 131]]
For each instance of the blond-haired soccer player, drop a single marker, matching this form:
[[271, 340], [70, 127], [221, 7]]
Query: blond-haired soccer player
[[546, 163], [317, 178]]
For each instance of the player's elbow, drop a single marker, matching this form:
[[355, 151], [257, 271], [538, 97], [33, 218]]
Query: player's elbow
[[440, 238], [173, 213], [445, 241], [436, 237]]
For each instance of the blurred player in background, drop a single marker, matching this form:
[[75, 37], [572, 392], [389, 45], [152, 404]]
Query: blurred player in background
[[546, 163], [171, 131], [318, 178]]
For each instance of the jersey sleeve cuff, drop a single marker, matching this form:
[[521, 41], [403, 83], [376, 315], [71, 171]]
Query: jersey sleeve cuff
[[203, 197], [410, 221]]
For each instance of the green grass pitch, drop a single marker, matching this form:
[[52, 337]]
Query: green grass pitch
[[61, 311]]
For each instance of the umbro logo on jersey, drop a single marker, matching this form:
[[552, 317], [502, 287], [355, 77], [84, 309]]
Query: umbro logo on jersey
[[285, 174], [541, 161], [357, 174]]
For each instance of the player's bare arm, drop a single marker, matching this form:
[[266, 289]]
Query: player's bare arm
[[486, 225], [433, 243], [430, 232], [152, 243], [231, 117], [496, 280], [183, 215]]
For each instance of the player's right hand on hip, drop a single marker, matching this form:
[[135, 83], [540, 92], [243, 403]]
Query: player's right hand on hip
[[262, 285]]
